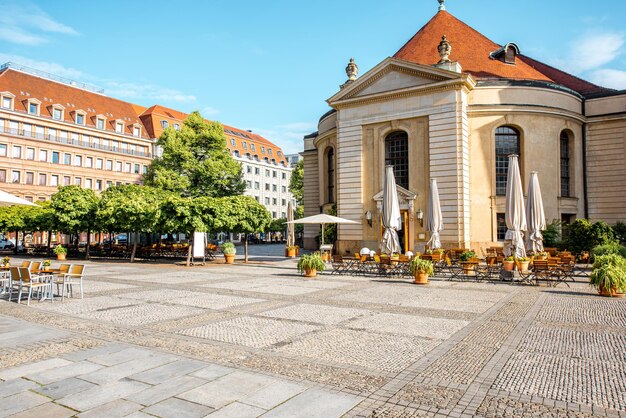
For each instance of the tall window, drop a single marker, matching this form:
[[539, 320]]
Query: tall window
[[507, 143], [565, 166], [501, 226], [397, 155], [330, 175]]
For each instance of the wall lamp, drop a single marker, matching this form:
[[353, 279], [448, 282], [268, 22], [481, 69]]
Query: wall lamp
[[368, 218], [420, 216]]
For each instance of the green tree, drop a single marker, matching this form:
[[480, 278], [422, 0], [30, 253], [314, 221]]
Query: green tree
[[75, 211], [13, 219], [582, 235], [195, 161], [296, 184], [130, 208]]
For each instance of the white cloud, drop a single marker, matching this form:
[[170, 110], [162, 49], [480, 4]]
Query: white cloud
[[288, 136], [209, 111], [26, 24], [134, 91], [592, 51], [45, 66], [615, 79]]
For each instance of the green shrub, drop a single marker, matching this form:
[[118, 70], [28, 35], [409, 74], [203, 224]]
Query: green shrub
[[582, 235], [59, 249], [619, 229], [466, 255], [552, 234], [228, 248], [609, 272], [609, 248], [311, 262], [421, 266]]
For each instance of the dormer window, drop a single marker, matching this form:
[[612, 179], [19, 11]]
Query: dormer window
[[101, 122], [79, 117], [280, 154], [177, 126], [56, 111], [164, 124], [136, 130], [7, 100], [506, 54], [119, 127], [33, 106], [236, 153]]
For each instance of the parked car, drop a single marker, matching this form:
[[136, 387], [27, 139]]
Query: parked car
[[6, 244]]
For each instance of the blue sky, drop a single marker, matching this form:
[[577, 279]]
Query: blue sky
[[269, 66]]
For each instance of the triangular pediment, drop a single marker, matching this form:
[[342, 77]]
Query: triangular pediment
[[394, 75], [404, 195]]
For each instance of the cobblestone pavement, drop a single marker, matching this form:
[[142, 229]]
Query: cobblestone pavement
[[257, 339]]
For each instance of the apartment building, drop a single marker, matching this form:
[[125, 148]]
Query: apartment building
[[55, 132]]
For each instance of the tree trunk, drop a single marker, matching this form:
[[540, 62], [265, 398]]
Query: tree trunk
[[17, 241], [132, 254], [87, 247], [245, 250], [49, 242], [189, 249]]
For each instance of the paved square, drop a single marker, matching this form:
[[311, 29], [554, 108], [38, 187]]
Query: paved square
[[319, 314], [419, 326], [189, 298]]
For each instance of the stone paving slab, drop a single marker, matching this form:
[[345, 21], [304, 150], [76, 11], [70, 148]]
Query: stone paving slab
[[167, 389], [315, 403], [101, 394], [13, 386], [46, 410], [178, 408], [31, 368], [189, 298], [63, 388], [20, 402], [141, 314], [64, 372], [116, 408], [320, 314], [168, 371]]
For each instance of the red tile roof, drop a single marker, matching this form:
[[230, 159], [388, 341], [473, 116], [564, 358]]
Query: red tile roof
[[471, 49]]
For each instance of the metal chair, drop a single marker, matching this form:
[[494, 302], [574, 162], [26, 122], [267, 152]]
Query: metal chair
[[339, 265], [27, 282], [75, 276]]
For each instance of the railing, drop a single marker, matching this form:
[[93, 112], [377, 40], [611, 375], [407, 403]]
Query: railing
[[53, 77], [76, 142]]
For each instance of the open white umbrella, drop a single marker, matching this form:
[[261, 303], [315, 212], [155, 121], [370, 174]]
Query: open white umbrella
[[7, 199], [515, 216], [322, 219], [291, 239], [392, 220], [434, 220], [535, 215]]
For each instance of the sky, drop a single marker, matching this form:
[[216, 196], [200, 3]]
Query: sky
[[269, 66]]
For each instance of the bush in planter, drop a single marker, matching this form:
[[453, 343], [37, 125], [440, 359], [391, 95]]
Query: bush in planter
[[417, 265], [228, 248], [59, 250], [466, 255], [609, 248], [311, 262], [609, 274]]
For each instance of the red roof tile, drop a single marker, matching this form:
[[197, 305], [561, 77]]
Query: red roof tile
[[471, 49]]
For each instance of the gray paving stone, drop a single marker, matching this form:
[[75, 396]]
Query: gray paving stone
[[236, 386], [238, 410], [64, 387], [46, 410], [64, 372], [169, 371], [316, 403], [21, 402], [101, 394], [119, 371], [13, 386], [31, 368], [178, 408], [117, 408], [167, 389], [275, 394], [121, 356], [94, 352], [212, 372]]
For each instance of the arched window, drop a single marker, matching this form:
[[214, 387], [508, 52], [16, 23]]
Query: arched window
[[565, 164], [507, 143], [397, 155], [330, 175]]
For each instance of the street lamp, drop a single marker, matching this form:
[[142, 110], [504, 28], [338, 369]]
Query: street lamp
[[420, 216], [368, 218]]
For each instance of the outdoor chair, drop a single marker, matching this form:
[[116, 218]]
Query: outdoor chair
[[543, 271], [455, 270], [67, 280], [15, 281], [339, 265], [526, 276], [26, 264], [5, 280], [34, 267], [30, 284]]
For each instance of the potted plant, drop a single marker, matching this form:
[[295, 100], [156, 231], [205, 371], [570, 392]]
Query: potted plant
[[291, 251], [524, 262], [508, 263], [421, 269], [46, 264], [60, 251], [6, 261], [468, 260], [467, 256], [609, 275], [229, 251], [310, 264]]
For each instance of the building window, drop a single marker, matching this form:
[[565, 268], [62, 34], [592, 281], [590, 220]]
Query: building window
[[30, 153], [267, 186], [144, 169], [274, 214], [17, 151], [43, 155], [55, 157], [262, 149], [236, 153], [89, 162], [15, 176], [507, 143], [100, 123], [565, 165], [269, 151], [118, 166], [252, 147], [177, 126], [283, 202], [397, 155], [257, 186], [54, 180], [274, 173], [67, 180], [109, 183], [273, 201], [88, 183], [78, 160], [284, 189], [164, 124], [7, 102], [249, 169], [267, 200], [257, 170], [248, 184], [137, 131], [57, 114], [284, 176], [136, 168], [3, 150], [109, 165], [30, 178], [42, 179], [330, 175], [274, 187], [33, 108], [3, 176], [501, 226], [244, 144], [80, 119], [98, 184], [119, 128]]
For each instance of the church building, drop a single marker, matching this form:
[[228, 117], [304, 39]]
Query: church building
[[452, 105]]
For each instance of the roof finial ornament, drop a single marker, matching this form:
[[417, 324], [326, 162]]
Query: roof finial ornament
[[352, 70], [442, 6], [444, 49]]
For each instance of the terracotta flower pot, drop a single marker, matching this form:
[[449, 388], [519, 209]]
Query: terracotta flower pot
[[290, 253], [612, 293], [310, 272], [524, 265], [421, 278], [508, 265], [61, 257], [230, 258]]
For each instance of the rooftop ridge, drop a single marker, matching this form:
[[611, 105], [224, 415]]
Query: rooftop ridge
[[52, 77]]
